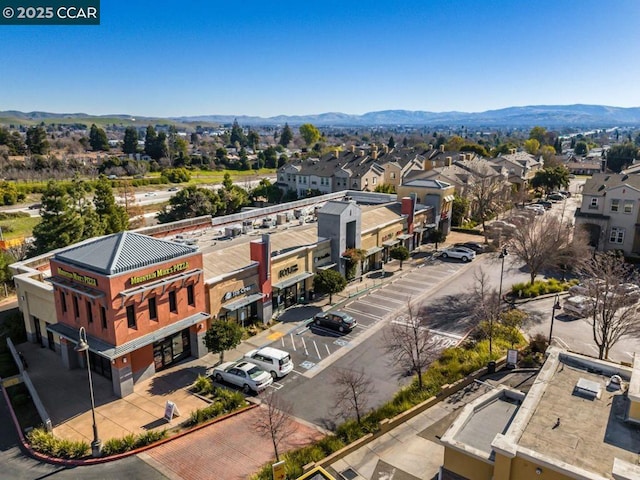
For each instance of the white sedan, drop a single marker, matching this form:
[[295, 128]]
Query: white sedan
[[463, 253], [243, 374]]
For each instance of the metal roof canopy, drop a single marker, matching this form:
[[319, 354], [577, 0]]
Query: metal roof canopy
[[292, 280], [82, 290], [126, 294], [404, 236], [112, 352], [373, 250], [328, 266], [243, 302], [390, 243]]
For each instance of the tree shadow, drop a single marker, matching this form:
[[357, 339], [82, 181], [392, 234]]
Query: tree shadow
[[450, 313], [299, 312], [176, 380]]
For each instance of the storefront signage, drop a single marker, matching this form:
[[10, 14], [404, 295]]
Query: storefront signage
[[87, 280], [322, 257], [285, 272], [236, 293], [161, 272], [386, 237]]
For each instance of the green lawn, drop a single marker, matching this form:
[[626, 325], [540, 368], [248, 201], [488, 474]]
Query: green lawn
[[18, 227]]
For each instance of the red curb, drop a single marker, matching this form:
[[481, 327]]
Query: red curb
[[95, 461]]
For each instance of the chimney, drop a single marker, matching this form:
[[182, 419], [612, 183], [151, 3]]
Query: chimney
[[448, 162], [352, 148], [374, 153], [428, 165], [441, 148], [512, 151], [386, 149], [462, 157], [337, 153], [431, 146], [468, 155], [361, 153]]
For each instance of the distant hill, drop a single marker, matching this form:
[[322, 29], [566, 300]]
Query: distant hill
[[543, 115], [549, 116]]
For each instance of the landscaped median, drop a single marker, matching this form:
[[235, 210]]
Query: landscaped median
[[45, 446], [456, 368]]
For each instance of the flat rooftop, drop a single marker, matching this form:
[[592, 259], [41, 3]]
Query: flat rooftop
[[591, 432], [486, 422]]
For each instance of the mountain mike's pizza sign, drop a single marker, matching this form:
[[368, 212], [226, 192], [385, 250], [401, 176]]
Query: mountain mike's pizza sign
[[161, 272]]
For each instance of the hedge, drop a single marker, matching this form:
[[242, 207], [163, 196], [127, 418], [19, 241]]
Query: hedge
[[46, 443], [541, 287], [129, 442]]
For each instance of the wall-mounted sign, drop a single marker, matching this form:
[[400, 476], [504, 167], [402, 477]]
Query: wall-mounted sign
[[322, 257], [78, 277], [229, 295], [386, 237], [161, 272], [285, 272]]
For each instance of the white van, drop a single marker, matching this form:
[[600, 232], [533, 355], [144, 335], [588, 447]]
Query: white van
[[277, 362]]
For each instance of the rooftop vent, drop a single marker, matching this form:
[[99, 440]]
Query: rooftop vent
[[587, 389], [614, 383]]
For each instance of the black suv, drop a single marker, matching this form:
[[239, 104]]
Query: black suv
[[336, 320]]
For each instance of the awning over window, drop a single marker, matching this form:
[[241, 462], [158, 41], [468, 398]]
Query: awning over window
[[404, 236], [243, 302], [449, 198], [74, 287], [111, 352], [391, 243], [374, 250], [293, 280], [326, 267]]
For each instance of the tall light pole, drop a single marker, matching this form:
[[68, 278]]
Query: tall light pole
[[556, 306], [502, 255], [83, 346]]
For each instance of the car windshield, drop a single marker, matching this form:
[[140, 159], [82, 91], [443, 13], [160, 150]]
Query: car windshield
[[254, 372]]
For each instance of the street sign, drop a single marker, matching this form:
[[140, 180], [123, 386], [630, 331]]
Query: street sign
[[170, 411], [279, 472], [512, 357]]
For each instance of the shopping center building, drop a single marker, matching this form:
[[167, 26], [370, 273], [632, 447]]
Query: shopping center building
[[146, 300]]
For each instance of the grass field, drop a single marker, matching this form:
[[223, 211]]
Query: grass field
[[18, 227]]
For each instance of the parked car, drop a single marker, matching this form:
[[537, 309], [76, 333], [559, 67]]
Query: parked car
[[150, 194], [335, 320], [578, 306], [566, 193], [463, 253], [277, 362], [35, 206], [556, 196], [545, 203], [475, 246], [535, 208], [502, 225], [245, 375], [173, 189]]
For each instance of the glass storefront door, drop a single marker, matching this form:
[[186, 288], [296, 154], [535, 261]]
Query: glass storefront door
[[171, 349]]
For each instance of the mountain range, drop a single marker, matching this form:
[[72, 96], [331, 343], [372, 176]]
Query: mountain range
[[549, 116]]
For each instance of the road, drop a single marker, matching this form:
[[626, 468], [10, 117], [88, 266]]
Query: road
[[151, 197], [436, 288]]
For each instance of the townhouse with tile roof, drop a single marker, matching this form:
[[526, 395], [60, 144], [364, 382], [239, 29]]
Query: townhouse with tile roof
[[520, 166]]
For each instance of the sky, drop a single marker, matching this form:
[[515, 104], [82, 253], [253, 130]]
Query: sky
[[280, 57]]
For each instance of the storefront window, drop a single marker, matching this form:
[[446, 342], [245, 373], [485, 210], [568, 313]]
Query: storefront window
[[172, 349]]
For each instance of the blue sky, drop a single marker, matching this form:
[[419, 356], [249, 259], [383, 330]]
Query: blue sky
[[282, 57]]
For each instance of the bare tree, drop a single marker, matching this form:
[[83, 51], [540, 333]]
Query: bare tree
[[353, 391], [485, 194], [276, 422], [615, 313], [410, 344], [488, 307], [544, 241]]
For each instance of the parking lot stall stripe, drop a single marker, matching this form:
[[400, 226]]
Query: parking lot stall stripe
[[317, 351], [305, 347], [327, 347]]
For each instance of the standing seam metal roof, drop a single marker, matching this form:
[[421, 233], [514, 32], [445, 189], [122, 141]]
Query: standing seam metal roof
[[122, 252]]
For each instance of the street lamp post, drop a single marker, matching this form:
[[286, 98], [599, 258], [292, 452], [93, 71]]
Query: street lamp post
[[556, 306], [83, 346], [502, 255]]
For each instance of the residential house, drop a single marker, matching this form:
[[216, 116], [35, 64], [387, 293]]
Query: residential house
[[610, 211], [521, 167]]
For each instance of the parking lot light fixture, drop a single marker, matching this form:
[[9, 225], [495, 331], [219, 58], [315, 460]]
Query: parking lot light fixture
[[502, 256], [556, 306], [83, 346]]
